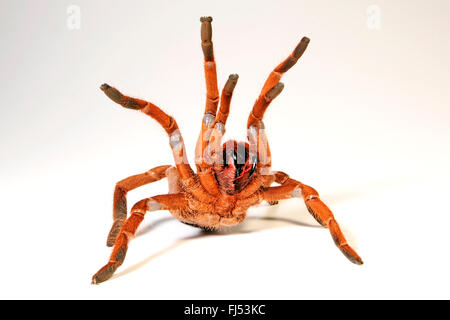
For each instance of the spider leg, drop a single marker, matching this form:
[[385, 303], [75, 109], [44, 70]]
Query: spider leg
[[290, 188], [225, 98], [259, 152], [204, 171], [128, 230], [213, 150], [205, 151], [167, 122], [259, 145], [272, 87], [212, 92], [120, 197]]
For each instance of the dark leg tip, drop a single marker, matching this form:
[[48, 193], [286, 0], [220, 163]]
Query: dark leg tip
[[105, 86], [301, 47], [351, 254], [231, 83], [356, 260], [206, 19], [275, 91], [104, 273]]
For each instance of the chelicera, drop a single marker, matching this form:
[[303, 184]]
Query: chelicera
[[230, 177]]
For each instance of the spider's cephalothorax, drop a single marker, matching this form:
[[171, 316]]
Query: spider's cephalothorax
[[230, 177]]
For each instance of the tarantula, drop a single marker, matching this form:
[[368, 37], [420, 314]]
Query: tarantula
[[230, 178]]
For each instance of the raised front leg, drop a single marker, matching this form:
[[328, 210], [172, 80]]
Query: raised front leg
[[167, 122], [225, 98], [212, 92], [291, 188], [128, 230], [212, 128], [272, 87], [212, 152], [204, 171]]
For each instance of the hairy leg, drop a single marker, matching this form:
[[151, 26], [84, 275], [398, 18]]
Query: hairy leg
[[120, 197], [204, 171], [128, 230], [213, 150], [212, 129], [290, 188], [167, 122], [212, 93], [225, 98], [272, 87], [259, 145]]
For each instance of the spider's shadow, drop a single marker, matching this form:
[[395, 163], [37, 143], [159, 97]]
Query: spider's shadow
[[251, 224]]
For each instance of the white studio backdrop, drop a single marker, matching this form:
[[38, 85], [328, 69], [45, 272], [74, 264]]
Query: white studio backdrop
[[364, 119]]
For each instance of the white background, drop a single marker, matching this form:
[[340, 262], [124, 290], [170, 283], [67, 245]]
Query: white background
[[364, 118]]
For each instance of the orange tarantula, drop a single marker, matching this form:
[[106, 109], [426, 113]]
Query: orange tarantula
[[230, 178]]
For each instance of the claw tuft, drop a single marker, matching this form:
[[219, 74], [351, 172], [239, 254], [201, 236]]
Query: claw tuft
[[105, 86], [208, 19]]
